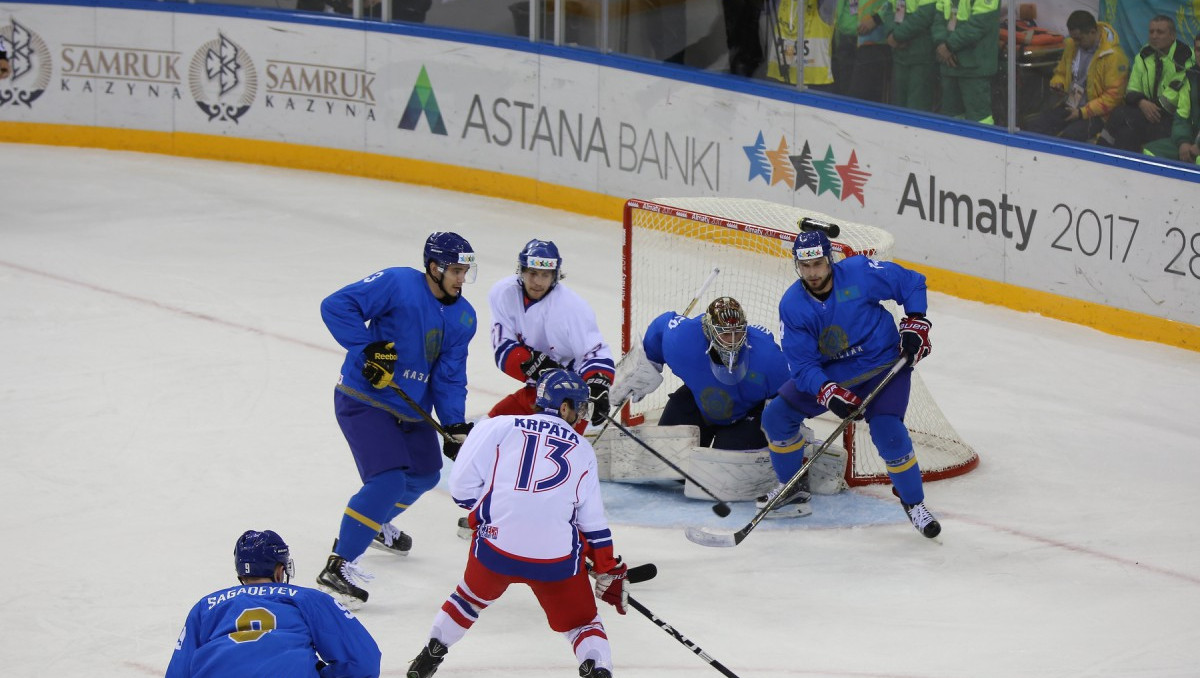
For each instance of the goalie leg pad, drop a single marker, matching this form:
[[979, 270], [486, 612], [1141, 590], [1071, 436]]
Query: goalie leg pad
[[732, 475], [620, 458], [827, 475]]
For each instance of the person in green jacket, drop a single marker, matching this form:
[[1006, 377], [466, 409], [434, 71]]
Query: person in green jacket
[[1091, 76], [914, 70], [1143, 117], [862, 59], [966, 38], [1184, 143]]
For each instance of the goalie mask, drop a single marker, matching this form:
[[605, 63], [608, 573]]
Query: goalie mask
[[725, 328], [256, 554]]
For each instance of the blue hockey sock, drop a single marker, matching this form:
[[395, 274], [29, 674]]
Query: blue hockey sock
[[895, 447], [367, 510]]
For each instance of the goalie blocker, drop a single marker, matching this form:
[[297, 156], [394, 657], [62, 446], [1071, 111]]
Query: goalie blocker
[[731, 475]]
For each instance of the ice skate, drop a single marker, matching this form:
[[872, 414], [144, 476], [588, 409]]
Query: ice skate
[[340, 578], [426, 662], [392, 540], [922, 519], [588, 669], [795, 505]]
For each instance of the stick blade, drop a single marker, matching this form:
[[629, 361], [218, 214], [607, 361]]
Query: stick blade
[[706, 537]]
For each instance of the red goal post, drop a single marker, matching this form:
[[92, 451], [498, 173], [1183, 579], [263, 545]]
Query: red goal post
[[672, 244]]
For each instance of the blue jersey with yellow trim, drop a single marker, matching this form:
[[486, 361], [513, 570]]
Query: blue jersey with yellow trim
[[431, 340], [850, 334], [257, 630], [722, 396]]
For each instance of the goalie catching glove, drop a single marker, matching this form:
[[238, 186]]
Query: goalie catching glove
[[380, 363], [598, 384], [458, 434], [914, 337], [841, 401], [610, 586]]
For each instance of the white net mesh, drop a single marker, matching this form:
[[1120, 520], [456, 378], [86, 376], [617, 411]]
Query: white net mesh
[[672, 246]]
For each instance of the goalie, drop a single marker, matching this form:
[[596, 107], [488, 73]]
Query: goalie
[[710, 425]]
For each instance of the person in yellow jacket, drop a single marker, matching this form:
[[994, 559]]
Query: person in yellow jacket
[[1144, 117], [818, 34], [1091, 74], [966, 38]]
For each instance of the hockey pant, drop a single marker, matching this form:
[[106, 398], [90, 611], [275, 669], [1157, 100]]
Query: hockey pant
[[524, 402], [569, 605], [783, 423]]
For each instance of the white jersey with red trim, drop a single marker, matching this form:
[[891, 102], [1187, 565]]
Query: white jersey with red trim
[[532, 485], [560, 324]]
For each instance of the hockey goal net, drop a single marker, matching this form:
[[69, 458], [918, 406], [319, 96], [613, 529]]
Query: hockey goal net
[[672, 246]]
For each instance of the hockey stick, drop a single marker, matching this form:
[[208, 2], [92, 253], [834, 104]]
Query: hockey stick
[[720, 508], [681, 638], [706, 537], [691, 304], [424, 415]]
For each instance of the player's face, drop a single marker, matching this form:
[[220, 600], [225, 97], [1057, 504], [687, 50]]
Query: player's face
[[537, 282], [816, 274], [1086, 39], [453, 277]]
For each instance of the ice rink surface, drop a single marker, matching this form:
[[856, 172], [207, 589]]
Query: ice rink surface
[[166, 383]]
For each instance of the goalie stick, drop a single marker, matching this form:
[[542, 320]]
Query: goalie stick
[[720, 508], [691, 304], [680, 637], [706, 537]]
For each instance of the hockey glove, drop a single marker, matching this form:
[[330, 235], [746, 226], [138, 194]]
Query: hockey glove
[[537, 364], [610, 587], [458, 433], [841, 401], [914, 337], [598, 386], [380, 363]]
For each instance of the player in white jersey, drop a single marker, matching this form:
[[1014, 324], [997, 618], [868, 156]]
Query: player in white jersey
[[536, 511], [538, 325]]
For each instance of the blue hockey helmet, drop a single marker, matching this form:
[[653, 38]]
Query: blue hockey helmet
[[540, 254], [812, 245], [556, 386], [446, 249], [257, 553]]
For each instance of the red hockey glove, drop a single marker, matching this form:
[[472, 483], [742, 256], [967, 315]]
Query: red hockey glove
[[380, 363], [914, 337], [610, 587], [841, 401]]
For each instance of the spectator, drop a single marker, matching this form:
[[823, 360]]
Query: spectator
[[5, 67], [1143, 117], [914, 70], [1091, 74], [817, 36], [966, 34], [861, 55], [741, 35], [1184, 142]]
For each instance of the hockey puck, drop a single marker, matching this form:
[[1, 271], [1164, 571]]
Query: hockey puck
[[641, 573], [721, 509]]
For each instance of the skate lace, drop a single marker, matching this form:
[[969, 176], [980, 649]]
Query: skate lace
[[390, 534], [797, 492], [920, 516], [353, 573]]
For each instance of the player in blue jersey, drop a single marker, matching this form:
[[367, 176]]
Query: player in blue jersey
[[729, 370], [840, 341], [536, 513], [402, 329], [267, 626]]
